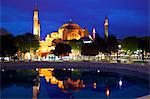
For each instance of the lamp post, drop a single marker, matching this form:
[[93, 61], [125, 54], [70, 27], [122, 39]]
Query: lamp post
[[119, 47]]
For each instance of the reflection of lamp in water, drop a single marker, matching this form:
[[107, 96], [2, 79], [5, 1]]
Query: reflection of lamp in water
[[120, 83], [83, 85], [107, 92], [98, 71], [94, 85]]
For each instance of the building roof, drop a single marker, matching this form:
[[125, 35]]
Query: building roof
[[71, 25]]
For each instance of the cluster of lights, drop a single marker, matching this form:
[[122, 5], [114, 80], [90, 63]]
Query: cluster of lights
[[69, 69]]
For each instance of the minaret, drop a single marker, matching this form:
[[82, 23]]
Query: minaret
[[106, 27], [93, 33], [36, 22]]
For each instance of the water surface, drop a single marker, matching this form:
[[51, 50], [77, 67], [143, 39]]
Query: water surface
[[70, 83]]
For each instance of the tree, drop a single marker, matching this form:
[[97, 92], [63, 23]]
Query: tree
[[3, 31], [7, 45], [75, 44], [111, 44], [56, 41], [27, 42], [89, 49], [107, 45], [100, 43], [62, 49], [144, 43], [130, 44]]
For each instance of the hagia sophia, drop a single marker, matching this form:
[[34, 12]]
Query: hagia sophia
[[68, 31]]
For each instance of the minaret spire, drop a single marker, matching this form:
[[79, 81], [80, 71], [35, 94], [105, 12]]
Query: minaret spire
[[70, 20], [36, 21], [35, 5], [93, 33], [106, 27]]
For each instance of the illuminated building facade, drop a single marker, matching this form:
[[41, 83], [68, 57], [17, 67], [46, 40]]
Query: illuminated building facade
[[68, 31], [63, 84]]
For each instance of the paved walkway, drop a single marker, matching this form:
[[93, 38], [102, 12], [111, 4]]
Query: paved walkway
[[79, 65]]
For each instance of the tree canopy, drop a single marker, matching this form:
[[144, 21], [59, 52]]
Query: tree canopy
[[100, 43], [75, 44], [89, 49], [107, 45], [130, 43], [62, 49], [7, 45], [111, 44], [144, 43], [27, 42]]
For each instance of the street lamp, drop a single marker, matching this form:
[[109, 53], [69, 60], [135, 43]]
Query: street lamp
[[119, 47]]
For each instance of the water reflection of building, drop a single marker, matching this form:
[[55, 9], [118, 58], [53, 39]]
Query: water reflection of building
[[35, 91], [65, 84]]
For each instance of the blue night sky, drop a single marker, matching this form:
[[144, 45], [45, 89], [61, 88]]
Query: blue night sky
[[126, 17]]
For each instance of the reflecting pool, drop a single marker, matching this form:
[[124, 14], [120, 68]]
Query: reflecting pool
[[70, 83]]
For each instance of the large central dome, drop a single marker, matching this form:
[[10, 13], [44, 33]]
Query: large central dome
[[70, 31], [71, 25]]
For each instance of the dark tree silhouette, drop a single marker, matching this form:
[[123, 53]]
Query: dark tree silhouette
[[100, 43], [89, 49], [62, 49], [111, 44], [27, 42], [130, 43], [7, 45], [144, 45]]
